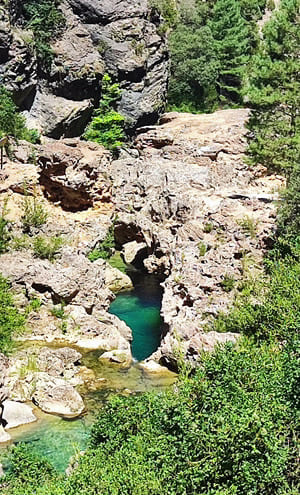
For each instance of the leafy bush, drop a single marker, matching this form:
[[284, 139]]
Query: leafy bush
[[47, 248], [248, 225], [46, 22], [34, 215], [4, 234], [226, 430], [12, 123], [106, 128], [106, 248], [228, 283], [11, 320]]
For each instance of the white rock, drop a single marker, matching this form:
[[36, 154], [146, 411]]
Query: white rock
[[17, 414], [4, 436]]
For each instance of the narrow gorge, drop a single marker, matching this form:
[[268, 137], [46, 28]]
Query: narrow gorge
[[120, 259]]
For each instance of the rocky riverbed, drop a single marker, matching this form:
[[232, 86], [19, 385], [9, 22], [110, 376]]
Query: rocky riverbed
[[182, 204]]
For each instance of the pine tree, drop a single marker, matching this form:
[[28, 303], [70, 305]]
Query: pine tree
[[232, 44], [274, 92]]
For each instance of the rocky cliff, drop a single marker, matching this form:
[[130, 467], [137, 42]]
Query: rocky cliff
[[116, 36]]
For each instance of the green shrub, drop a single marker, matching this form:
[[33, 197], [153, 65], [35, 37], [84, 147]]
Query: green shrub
[[248, 225], [46, 21], [208, 227], [106, 248], [228, 283], [18, 243], [12, 123], [45, 248], [106, 128], [34, 215], [226, 430], [4, 234], [11, 320], [202, 249]]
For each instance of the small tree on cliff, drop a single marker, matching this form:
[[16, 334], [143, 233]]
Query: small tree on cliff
[[107, 126]]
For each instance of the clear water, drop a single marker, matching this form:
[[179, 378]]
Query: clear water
[[140, 309], [58, 439]]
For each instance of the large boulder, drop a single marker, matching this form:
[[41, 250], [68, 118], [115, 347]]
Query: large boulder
[[55, 396], [16, 414], [55, 116]]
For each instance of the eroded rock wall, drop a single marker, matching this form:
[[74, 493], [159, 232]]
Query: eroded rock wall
[[119, 37]]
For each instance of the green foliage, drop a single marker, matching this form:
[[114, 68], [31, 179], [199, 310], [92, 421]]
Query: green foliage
[[11, 320], [248, 225], [228, 283], [194, 67], [45, 248], [233, 46], [276, 312], [274, 92], [46, 21], [210, 46], [168, 10], [34, 215], [11, 122], [226, 430], [107, 126], [208, 227], [59, 311], [26, 467], [106, 248], [202, 249], [4, 234]]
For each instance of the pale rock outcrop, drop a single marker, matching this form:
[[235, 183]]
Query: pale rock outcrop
[[120, 357], [204, 215], [4, 435], [134, 252], [16, 414]]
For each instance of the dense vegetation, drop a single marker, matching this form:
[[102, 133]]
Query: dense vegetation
[[107, 125], [211, 46], [12, 123], [11, 320], [46, 21], [229, 428]]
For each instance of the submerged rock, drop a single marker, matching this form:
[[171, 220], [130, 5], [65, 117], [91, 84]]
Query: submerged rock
[[121, 357]]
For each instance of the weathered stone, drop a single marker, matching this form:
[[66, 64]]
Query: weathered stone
[[115, 280], [56, 362], [16, 414], [54, 396], [135, 252], [55, 116], [59, 101], [72, 173], [120, 357]]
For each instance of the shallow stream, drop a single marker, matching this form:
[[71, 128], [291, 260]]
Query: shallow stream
[[58, 439]]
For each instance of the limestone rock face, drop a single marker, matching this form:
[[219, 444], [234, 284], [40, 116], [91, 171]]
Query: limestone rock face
[[203, 215], [120, 37]]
